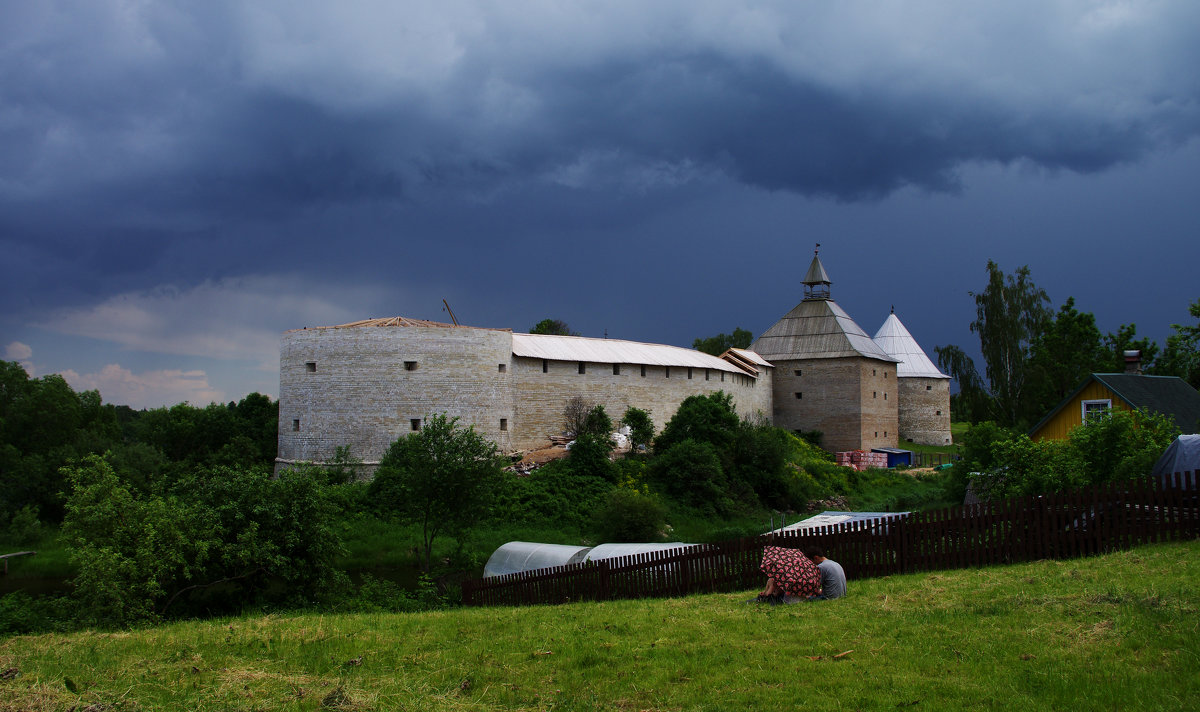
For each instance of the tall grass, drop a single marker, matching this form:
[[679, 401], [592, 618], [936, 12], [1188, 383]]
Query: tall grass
[[1113, 632]]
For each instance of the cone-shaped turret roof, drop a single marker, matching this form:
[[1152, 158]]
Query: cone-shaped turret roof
[[895, 340], [816, 281]]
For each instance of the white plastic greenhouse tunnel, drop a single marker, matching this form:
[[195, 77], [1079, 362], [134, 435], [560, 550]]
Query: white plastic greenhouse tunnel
[[517, 556]]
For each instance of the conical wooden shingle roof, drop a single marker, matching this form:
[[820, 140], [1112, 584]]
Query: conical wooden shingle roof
[[895, 340]]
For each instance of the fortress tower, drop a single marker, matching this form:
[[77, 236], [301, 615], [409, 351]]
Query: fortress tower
[[829, 375], [924, 391]]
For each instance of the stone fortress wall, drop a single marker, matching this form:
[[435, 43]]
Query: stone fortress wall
[[366, 386]]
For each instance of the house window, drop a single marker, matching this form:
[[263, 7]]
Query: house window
[[876, 433], [311, 367], [504, 424], [706, 374], [410, 365], [296, 425], [415, 424], [582, 367], [616, 369], [668, 368], [502, 367], [545, 366], [885, 395], [873, 373], [799, 396], [797, 372], [929, 388], [722, 376], [874, 394], [643, 371], [939, 413], [689, 374], [1093, 409]]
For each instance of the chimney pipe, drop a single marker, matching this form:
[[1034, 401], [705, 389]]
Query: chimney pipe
[[1133, 362]]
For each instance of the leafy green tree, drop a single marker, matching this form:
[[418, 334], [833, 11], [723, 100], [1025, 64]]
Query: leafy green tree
[[553, 327], [1181, 356], [707, 419], [597, 422], [691, 473], [972, 403], [719, 344], [1062, 356], [641, 427], [44, 424], [1009, 313], [441, 478], [139, 555]]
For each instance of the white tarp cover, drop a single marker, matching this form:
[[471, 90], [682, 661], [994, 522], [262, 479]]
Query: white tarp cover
[[1183, 455], [517, 556], [828, 518], [612, 551]]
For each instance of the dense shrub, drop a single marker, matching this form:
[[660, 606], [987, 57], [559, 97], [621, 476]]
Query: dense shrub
[[629, 516], [690, 472], [552, 496], [140, 556]]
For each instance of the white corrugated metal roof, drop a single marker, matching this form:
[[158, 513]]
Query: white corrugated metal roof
[[589, 350], [816, 329], [893, 338]]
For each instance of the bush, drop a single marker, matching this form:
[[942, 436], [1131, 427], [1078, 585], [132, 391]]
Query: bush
[[591, 456], [629, 516], [691, 473], [24, 527]]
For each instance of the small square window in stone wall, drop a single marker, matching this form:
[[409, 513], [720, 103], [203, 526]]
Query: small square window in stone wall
[[502, 367], [296, 425], [689, 374], [939, 412], [799, 396], [616, 369], [582, 367], [722, 376], [504, 423], [798, 372], [929, 388], [311, 366], [706, 374], [410, 365], [545, 366], [415, 424]]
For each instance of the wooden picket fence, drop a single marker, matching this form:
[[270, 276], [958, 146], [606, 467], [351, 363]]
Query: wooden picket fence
[[1110, 517]]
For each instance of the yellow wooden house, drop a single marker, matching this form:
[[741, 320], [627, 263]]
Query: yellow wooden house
[[1105, 392]]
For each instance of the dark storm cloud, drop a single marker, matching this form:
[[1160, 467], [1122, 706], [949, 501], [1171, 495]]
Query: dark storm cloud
[[159, 143], [204, 116]]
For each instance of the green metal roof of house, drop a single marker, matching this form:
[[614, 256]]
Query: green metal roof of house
[[1168, 395]]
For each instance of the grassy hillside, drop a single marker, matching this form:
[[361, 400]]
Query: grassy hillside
[[1114, 632]]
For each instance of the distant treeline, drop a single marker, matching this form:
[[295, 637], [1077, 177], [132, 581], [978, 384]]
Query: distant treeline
[[46, 425]]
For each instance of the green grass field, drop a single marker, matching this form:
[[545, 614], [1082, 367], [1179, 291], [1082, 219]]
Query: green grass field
[[1113, 632]]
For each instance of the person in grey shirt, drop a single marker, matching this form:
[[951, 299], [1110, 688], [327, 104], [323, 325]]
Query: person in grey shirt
[[833, 579]]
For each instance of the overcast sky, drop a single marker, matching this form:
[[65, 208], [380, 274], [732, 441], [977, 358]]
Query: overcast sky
[[182, 182]]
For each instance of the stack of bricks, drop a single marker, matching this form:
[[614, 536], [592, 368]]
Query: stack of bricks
[[861, 460]]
